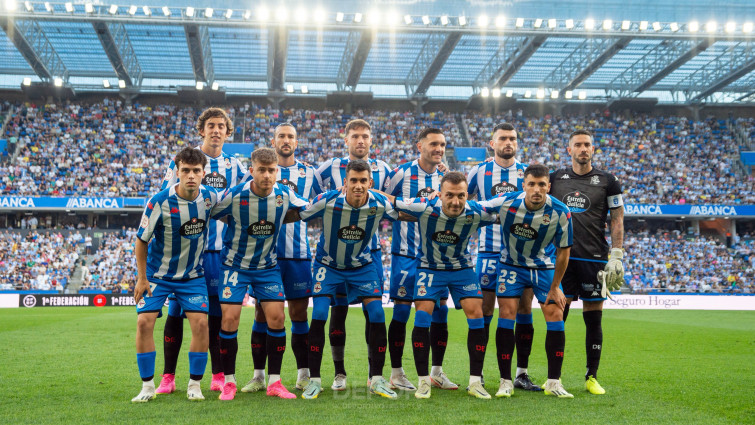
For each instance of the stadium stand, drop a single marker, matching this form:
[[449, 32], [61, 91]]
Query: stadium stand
[[37, 260]]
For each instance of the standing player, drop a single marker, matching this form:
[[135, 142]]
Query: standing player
[[332, 173], [255, 212], [590, 193], [295, 261], [415, 179], [532, 221], [222, 171], [487, 180], [177, 218], [343, 259]]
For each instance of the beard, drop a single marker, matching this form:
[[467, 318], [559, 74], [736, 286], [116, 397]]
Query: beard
[[280, 152], [504, 154], [583, 160]]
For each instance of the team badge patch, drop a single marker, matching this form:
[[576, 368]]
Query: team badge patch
[[373, 210], [502, 287], [169, 174], [145, 221], [401, 291], [227, 162], [227, 292], [520, 173], [302, 172], [141, 303], [279, 201], [374, 166], [484, 280], [318, 287], [546, 219], [207, 203], [469, 219], [595, 180], [422, 291]]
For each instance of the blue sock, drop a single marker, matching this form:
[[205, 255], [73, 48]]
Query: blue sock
[[401, 312], [476, 323], [260, 327], [487, 319], [280, 333], [197, 364], [505, 323], [146, 363], [422, 319], [440, 314], [320, 308], [299, 327], [376, 312], [555, 326], [524, 319]]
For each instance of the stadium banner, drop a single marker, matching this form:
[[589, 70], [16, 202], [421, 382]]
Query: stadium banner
[[66, 300], [76, 203], [640, 210]]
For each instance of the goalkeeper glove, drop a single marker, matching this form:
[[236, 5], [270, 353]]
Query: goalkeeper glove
[[614, 270]]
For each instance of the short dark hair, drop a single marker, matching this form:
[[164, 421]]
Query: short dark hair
[[428, 131], [357, 165], [264, 156], [190, 156], [504, 126], [453, 177], [537, 171], [581, 132], [285, 124], [215, 113], [355, 124]]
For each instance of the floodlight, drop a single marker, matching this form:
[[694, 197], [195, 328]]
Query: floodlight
[[554, 94], [643, 25], [657, 26], [147, 11], [569, 23], [58, 81], [527, 94], [122, 84], [339, 17], [625, 25], [552, 23], [693, 26], [589, 24], [215, 85], [500, 21], [88, 8], [200, 85], [462, 21], [208, 12], [519, 22], [711, 26], [674, 26], [444, 20], [583, 95], [730, 27], [747, 27], [166, 11], [540, 93], [228, 13], [357, 18], [568, 94], [483, 21], [496, 92], [538, 23], [607, 24], [485, 92], [132, 10], [69, 7], [319, 16], [106, 84], [290, 88], [304, 89], [27, 81], [190, 12], [510, 93]]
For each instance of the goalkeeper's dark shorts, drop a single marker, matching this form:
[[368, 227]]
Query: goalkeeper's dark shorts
[[581, 280]]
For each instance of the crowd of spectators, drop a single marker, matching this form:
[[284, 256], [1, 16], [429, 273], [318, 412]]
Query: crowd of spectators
[[37, 261], [113, 266]]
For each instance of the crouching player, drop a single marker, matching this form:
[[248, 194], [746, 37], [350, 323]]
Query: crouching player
[[177, 217], [532, 221]]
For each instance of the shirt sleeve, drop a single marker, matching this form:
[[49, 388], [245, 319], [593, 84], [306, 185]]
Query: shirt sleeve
[[472, 180], [224, 206], [487, 217], [315, 209], [563, 236], [414, 206], [170, 176], [242, 173], [323, 174], [613, 193], [494, 205], [150, 220], [317, 187], [295, 201], [392, 181]]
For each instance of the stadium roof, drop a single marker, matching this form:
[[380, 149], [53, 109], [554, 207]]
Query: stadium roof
[[412, 49]]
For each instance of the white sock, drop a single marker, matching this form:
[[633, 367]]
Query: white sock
[[425, 378], [520, 371], [303, 373], [318, 380], [149, 384], [436, 370], [551, 381], [372, 378], [259, 374], [193, 383], [230, 379], [273, 379], [397, 371], [474, 378]]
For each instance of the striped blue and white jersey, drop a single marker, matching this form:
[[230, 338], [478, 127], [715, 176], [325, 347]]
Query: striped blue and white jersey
[[488, 180], [346, 234], [221, 173], [332, 173], [249, 242], [179, 228], [445, 240], [528, 234], [303, 180], [410, 181]]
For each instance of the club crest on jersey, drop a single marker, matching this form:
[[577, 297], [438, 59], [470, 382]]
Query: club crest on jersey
[[262, 229], [207, 203], [523, 232], [291, 185], [577, 201], [145, 221], [595, 180], [421, 291], [141, 303], [501, 288], [192, 229], [469, 219], [318, 287], [372, 211], [227, 162], [520, 174], [302, 172], [424, 193], [279, 201], [215, 180], [168, 174], [401, 291], [546, 219], [351, 234], [227, 292], [374, 166], [484, 280], [502, 187], [446, 238]]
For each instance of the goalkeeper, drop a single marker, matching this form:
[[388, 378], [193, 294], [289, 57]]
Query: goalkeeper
[[590, 194]]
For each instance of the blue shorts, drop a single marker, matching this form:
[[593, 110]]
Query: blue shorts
[[175, 310], [191, 295], [487, 263], [512, 280], [359, 283], [211, 264], [403, 273], [377, 260], [297, 278], [434, 284], [266, 284]]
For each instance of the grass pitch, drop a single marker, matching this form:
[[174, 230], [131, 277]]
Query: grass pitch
[[71, 364]]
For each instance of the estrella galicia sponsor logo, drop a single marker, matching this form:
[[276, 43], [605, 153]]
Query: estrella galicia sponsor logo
[[215, 180], [262, 229], [424, 193], [351, 234], [192, 229], [502, 187], [523, 231], [577, 202], [445, 238], [291, 185]]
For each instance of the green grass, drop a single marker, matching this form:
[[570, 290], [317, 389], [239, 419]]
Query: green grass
[[64, 365]]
